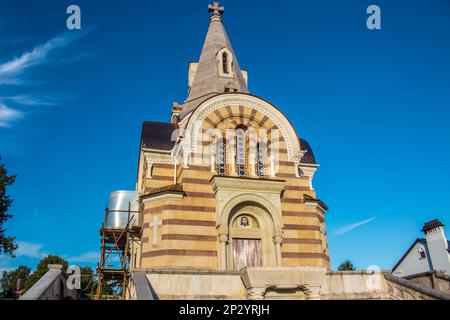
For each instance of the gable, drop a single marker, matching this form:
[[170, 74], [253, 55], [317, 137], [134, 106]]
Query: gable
[[412, 262]]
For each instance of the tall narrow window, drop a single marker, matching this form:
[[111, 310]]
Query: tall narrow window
[[241, 147], [225, 63], [261, 159], [224, 60], [221, 156]]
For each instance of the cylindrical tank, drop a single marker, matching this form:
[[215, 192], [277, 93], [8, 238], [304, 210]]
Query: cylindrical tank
[[119, 203]]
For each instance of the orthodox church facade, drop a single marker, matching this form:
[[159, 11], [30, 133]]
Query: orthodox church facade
[[228, 182], [229, 208]]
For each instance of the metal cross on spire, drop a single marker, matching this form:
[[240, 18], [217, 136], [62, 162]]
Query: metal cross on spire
[[216, 9]]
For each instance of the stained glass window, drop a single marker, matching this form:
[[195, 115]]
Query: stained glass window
[[221, 156], [261, 159], [241, 146]]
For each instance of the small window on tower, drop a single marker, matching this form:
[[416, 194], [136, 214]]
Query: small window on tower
[[225, 63], [224, 60]]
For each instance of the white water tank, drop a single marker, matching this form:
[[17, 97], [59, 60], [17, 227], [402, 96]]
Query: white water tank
[[123, 205]]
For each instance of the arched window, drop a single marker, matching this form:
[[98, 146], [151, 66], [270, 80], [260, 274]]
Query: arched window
[[224, 60], [221, 156], [421, 253], [241, 151], [261, 159], [225, 63]]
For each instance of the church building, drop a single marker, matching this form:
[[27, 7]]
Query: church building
[[229, 209], [225, 208], [227, 183]]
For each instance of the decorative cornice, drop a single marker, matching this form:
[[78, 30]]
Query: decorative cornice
[[308, 170], [156, 151], [166, 195], [162, 158], [298, 156], [315, 203], [247, 184]]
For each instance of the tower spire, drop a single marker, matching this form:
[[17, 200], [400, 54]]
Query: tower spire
[[217, 70]]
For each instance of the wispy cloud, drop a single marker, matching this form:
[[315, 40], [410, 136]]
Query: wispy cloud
[[37, 251], [32, 100], [90, 257], [37, 56], [13, 72], [8, 115], [30, 250], [350, 227]]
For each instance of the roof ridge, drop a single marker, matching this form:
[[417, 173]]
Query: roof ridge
[[157, 122]]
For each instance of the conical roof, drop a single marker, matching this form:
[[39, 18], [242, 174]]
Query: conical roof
[[208, 79]]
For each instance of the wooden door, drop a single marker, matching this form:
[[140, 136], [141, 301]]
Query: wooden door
[[246, 253]]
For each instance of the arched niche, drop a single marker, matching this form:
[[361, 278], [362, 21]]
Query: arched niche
[[257, 201], [248, 236]]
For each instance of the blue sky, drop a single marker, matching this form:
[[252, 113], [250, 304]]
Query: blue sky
[[374, 105]]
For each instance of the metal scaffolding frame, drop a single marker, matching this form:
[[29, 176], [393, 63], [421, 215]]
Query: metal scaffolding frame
[[113, 270]]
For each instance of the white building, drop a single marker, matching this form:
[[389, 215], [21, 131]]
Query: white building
[[431, 253]]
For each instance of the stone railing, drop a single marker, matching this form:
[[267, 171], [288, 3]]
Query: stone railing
[[258, 283], [180, 284], [143, 290], [432, 279], [355, 285], [405, 289], [52, 286]]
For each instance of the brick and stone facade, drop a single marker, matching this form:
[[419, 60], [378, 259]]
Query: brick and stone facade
[[189, 203]]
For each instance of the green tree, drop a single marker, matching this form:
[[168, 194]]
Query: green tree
[[7, 244], [346, 265], [42, 269], [9, 280], [88, 282]]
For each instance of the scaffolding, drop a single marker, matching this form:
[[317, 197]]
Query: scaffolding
[[113, 271]]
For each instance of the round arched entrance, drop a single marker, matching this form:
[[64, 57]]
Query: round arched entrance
[[250, 237]]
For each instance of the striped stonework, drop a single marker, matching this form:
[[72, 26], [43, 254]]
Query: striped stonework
[[191, 234]]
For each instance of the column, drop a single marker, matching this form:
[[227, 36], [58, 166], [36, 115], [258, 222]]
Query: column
[[223, 238], [277, 240]]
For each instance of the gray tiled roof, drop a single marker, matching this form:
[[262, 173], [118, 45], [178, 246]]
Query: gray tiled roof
[[157, 135], [309, 155], [431, 224]]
